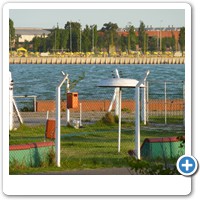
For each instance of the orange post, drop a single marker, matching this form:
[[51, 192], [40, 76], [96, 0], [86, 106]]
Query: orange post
[[50, 129], [72, 100]]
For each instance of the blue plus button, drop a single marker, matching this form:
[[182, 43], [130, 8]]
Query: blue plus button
[[187, 165]]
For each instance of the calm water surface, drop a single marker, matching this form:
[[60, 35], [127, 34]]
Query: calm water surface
[[42, 80]]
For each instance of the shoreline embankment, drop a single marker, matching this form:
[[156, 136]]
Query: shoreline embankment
[[97, 60], [103, 105]]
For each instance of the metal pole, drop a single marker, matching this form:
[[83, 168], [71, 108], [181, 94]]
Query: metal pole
[[11, 121], [34, 103], [57, 140], [119, 128], [144, 116], [137, 116], [112, 102], [80, 123], [70, 37], [67, 109], [80, 35], [115, 97], [137, 123], [147, 106], [117, 91], [165, 103], [46, 126], [160, 36], [17, 111], [55, 40], [93, 38]]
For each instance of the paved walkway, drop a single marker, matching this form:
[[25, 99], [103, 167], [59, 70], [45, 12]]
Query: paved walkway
[[106, 171]]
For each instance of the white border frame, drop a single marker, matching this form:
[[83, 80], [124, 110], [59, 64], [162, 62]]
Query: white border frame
[[92, 185]]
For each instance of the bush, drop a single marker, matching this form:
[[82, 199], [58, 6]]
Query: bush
[[26, 109], [142, 167], [108, 119]]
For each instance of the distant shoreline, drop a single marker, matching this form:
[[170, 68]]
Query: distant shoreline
[[97, 60]]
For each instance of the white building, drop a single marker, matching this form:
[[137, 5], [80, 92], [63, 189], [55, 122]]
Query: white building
[[27, 34]]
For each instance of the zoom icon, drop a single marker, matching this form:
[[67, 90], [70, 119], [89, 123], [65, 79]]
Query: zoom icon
[[187, 165]]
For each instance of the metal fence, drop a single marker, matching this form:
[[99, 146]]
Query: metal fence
[[167, 105]]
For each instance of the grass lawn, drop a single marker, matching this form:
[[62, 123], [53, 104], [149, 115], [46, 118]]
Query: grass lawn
[[94, 146]]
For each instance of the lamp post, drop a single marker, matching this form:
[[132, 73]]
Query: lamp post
[[80, 35], [54, 39], [160, 36], [70, 32], [93, 38]]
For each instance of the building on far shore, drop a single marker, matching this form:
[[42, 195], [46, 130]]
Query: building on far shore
[[157, 32], [27, 34]]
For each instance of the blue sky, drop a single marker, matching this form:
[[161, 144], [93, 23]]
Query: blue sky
[[48, 18]]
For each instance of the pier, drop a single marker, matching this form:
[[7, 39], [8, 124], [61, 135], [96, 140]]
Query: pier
[[97, 60]]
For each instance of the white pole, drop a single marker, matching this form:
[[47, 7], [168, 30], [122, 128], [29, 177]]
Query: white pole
[[57, 140], [137, 116], [80, 123], [137, 123], [47, 115], [117, 93], [115, 97], [11, 121], [67, 109], [147, 102], [120, 117], [17, 111], [165, 103], [46, 126], [112, 102], [144, 103], [34, 103]]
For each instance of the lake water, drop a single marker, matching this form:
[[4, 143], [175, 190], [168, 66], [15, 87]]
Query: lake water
[[42, 80]]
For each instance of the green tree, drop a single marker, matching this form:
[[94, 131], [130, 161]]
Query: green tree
[[110, 34], [64, 35], [93, 37], [141, 36], [173, 42], [17, 41], [26, 44], [11, 33], [43, 43], [124, 45], [36, 43], [56, 41], [182, 39], [86, 39], [74, 35], [132, 38], [152, 43]]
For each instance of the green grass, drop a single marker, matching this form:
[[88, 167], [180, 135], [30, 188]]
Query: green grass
[[94, 146], [169, 119]]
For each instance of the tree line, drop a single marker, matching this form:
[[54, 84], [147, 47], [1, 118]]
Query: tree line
[[74, 38]]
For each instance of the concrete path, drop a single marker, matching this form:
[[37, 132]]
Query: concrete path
[[106, 171]]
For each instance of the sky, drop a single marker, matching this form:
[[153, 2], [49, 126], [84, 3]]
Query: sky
[[49, 18]]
